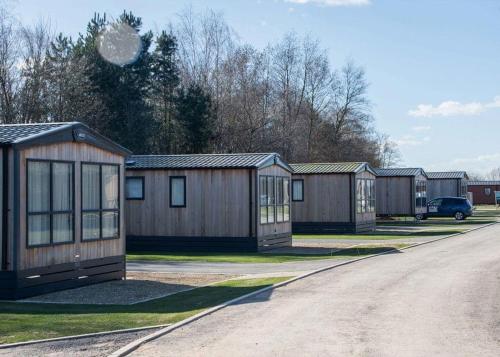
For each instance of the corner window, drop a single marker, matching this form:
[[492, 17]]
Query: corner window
[[267, 199], [282, 199], [298, 190], [365, 195], [421, 193], [134, 188], [50, 195], [177, 191], [100, 201]]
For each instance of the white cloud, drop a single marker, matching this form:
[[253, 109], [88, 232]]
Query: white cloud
[[482, 164], [411, 140], [422, 128], [332, 2], [453, 108]]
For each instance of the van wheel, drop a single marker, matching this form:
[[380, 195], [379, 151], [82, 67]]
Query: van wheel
[[419, 217], [459, 216]]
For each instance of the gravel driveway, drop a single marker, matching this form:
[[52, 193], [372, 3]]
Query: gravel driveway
[[436, 299]]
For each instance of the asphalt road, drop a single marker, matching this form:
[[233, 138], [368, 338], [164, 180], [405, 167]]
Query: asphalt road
[[439, 299], [231, 268]]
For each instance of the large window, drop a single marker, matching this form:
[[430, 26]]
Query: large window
[[421, 193], [100, 201], [365, 195], [267, 199], [298, 190], [177, 191], [50, 202], [134, 187], [282, 199]]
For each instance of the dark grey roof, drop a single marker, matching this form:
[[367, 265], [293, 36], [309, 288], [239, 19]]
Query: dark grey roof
[[12, 133], [25, 135], [331, 168], [201, 161], [400, 172], [483, 183], [447, 175]]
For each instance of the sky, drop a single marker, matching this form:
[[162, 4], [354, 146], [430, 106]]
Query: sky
[[432, 65]]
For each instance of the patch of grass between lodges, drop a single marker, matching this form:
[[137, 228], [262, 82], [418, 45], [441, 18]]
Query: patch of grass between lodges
[[33, 321], [246, 258]]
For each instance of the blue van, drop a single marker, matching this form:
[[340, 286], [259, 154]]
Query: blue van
[[457, 207]]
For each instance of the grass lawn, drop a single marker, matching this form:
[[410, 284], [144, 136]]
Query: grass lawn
[[254, 257], [24, 322]]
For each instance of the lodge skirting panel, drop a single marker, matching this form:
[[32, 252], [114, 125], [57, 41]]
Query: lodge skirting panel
[[36, 281], [275, 241], [331, 227], [180, 243]]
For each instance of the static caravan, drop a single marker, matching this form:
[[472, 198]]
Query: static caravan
[[446, 184], [333, 197], [401, 192], [483, 192], [62, 208], [209, 202]]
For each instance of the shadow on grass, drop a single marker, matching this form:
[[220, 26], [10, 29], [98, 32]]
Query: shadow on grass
[[364, 251], [182, 302]]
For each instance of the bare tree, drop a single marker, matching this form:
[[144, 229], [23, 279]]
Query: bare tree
[[494, 174], [9, 74], [388, 154], [35, 43]]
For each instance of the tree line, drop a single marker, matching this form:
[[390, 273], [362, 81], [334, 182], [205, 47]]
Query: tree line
[[192, 88]]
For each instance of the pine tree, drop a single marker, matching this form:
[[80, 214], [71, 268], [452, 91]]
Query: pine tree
[[164, 83], [121, 89], [194, 111]]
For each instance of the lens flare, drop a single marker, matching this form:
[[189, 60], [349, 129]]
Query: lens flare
[[119, 44]]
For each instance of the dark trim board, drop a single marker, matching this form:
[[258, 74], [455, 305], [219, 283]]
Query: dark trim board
[[36, 281], [182, 244], [331, 227]]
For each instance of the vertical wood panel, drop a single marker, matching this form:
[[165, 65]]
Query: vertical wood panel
[[217, 204], [77, 251], [326, 199]]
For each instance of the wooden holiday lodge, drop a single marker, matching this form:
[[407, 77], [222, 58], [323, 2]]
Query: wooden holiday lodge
[[62, 208], [333, 197], [208, 202]]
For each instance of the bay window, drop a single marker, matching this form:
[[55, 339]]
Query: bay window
[[50, 195], [100, 201]]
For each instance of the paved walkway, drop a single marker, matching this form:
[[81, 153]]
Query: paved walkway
[[440, 299]]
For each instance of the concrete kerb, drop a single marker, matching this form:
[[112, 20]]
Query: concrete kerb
[[87, 335], [125, 350]]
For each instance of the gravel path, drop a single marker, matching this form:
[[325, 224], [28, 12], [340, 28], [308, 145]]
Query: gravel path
[[440, 299], [139, 287], [84, 347]]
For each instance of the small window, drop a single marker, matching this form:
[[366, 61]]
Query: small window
[[487, 191], [134, 188], [298, 190], [177, 191]]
